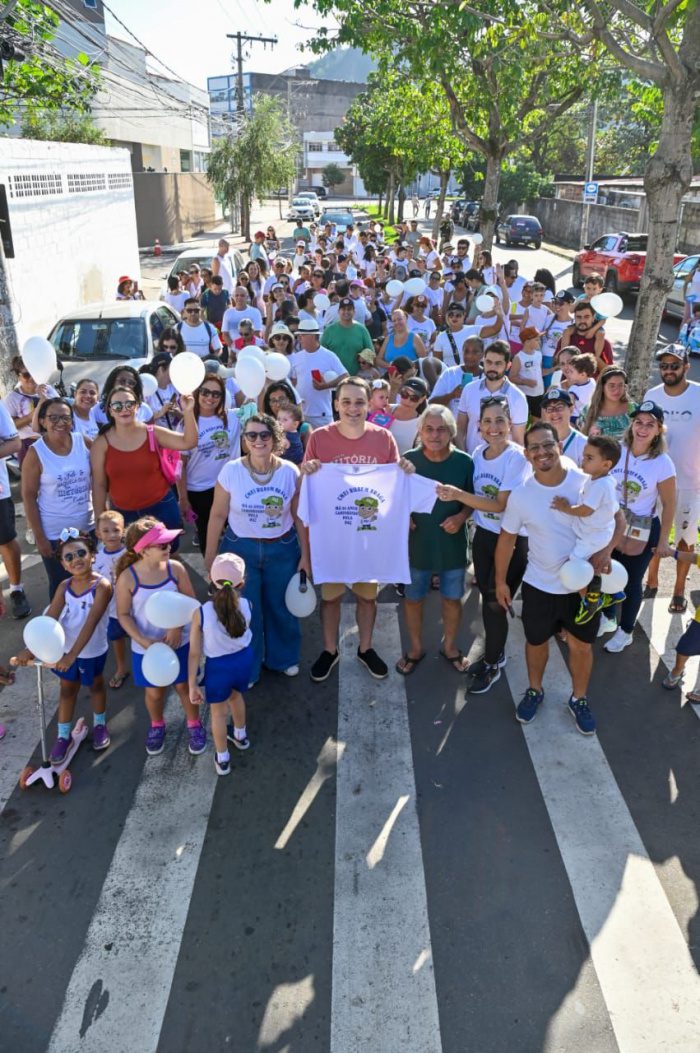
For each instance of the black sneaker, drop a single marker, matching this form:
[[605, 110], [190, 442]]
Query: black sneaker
[[20, 604], [590, 604], [376, 666], [321, 669], [478, 667], [484, 680]]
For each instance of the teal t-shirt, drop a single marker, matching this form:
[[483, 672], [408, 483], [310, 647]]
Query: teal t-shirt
[[429, 547], [346, 341]]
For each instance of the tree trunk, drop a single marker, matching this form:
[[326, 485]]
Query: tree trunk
[[8, 333], [666, 179], [444, 180], [402, 201], [245, 217], [390, 199], [379, 204], [488, 210]]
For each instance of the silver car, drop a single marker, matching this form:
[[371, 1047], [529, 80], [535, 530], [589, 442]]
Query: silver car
[[675, 302]]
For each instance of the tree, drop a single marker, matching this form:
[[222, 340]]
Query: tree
[[332, 175], [71, 127], [256, 158]]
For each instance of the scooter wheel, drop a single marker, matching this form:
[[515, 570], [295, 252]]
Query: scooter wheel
[[24, 777], [65, 781]]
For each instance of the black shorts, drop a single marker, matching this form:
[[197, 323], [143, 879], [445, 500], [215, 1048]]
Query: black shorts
[[545, 613], [7, 521]]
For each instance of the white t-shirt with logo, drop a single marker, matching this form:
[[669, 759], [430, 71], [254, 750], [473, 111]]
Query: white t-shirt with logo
[[582, 394], [537, 317], [552, 336], [260, 510], [594, 532], [643, 477], [531, 369], [7, 431], [358, 519], [476, 393], [201, 339], [424, 329], [551, 535], [316, 403], [218, 442], [504, 472], [682, 420], [232, 316], [483, 322]]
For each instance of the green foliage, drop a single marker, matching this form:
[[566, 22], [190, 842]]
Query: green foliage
[[520, 180], [332, 175], [257, 160], [41, 79], [62, 127]]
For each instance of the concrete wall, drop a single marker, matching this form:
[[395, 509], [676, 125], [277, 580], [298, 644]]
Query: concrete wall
[[71, 210], [172, 206], [561, 220]]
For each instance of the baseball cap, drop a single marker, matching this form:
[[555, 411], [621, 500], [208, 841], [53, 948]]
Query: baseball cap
[[648, 407], [455, 308], [124, 278], [563, 297], [308, 325], [558, 395], [416, 384], [677, 350], [342, 258], [163, 358], [358, 282], [347, 301], [259, 234], [227, 569], [280, 329]]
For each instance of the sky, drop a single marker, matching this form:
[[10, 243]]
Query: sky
[[191, 36]]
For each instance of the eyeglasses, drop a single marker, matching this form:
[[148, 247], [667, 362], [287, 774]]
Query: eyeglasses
[[407, 393], [275, 399], [545, 447], [257, 436], [58, 418], [128, 404], [192, 310], [79, 553], [209, 393], [68, 534]]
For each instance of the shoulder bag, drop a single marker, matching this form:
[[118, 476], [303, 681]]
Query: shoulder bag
[[638, 528]]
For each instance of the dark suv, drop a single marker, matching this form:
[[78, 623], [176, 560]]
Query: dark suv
[[519, 230]]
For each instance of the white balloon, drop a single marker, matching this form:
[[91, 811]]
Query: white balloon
[[250, 375], [394, 287], [170, 610], [484, 303], [615, 580], [322, 302], [149, 385], [277, 366], [39, 356], [607, 304], [44, 636], [414, 287], [160, 665], [576, 574], [477, 239], [253, 351], [329, 375], [186, 372], [300, 604]]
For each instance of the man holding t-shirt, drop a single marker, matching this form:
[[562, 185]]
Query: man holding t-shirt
[[350, 440], [547, 606]]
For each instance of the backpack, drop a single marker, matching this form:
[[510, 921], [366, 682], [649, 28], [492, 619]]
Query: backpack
[[211, 331]]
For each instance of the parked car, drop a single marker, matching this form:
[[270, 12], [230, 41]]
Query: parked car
[[675, 301], [203, 258], [321, 191], [468, 209], [301, 208], [471, 220], [91, 340], [619, 258], [312, 196], [339, 217], [519, 230]]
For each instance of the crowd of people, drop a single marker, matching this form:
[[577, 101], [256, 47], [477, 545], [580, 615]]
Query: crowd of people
[[445, 424]]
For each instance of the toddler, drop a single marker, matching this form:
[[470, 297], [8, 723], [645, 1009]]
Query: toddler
[[582, 370], [537, 314], [379, 404], [291, 418], [110, 533]]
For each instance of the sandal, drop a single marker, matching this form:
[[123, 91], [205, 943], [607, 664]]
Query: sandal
[[118, 681], [671, 681], [458, 662], [678, 605], [406, 665], [650, 592], [694, 697]]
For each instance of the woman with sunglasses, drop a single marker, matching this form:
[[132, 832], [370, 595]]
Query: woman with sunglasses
[[413, 398], [57, 485], [418, 322], [610, 406], [126, 459], [121, 376], [272, 245], [219, 441], [21, 403], [257, 496]]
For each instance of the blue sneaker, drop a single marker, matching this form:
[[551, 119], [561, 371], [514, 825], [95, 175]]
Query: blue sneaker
[[585, 721], [155, 740], [198, 739], [528, 705]]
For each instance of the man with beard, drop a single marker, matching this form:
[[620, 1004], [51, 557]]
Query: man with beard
[[493, 382], [580, 335]]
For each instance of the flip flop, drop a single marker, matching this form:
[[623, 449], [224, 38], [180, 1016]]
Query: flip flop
[[694, 697], [118, 681], [649, 592], [413, 662], [678, 605], [457, 661]]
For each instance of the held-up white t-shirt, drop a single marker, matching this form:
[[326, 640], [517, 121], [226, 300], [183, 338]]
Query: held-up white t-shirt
[[551, 535], [504, 472], [260, 510], [358, 518], [594, 532], [476, 393], [682, 419], [316, 403], [643, 477]]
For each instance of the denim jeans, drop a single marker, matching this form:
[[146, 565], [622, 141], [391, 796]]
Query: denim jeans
[[269, 566], [636, 568], [167, 511], [55, 573]]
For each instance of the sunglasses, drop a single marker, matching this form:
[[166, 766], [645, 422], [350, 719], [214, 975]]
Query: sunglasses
[[58, 418], [257, 436], [24, 374], [407, 393], [79, 553], [128, 404], [495, 400], [209, 393]]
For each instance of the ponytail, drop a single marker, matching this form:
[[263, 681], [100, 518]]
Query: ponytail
[[226, 603], [134, 532]]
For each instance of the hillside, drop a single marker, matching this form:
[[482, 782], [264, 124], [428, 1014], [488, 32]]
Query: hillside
[[343, 64]]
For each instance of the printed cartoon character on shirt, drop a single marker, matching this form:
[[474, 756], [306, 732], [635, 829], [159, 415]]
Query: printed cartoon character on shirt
[[632, 491], [221, 440], [273, 508], [367, 509]]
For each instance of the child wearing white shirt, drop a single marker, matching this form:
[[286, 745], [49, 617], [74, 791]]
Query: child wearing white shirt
[[582, 370]]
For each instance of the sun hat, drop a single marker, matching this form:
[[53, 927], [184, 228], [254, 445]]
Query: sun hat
[[227, 569], [157, 535], [309, 325]]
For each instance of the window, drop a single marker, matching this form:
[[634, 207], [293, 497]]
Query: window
[[686, 266], [36, 185], [92, 4], [100, 338], [166, 318], [315, 148], [331, 146], [185, 161]]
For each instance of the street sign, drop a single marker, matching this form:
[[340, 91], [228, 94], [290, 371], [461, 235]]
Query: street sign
[[590, 193]]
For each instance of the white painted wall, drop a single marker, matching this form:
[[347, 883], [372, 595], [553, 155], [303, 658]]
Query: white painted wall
[[73, 226]]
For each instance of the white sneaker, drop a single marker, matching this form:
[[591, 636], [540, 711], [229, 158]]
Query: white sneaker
[[620, 640], [607, 625], [293, 670]]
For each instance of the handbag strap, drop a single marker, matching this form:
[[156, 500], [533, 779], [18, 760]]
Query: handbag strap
[[624, 479]]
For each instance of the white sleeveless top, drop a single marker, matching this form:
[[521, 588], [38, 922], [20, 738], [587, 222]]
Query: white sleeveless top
[[73, 617], [531, 369], [106, 565], [216, 642], [139, 598], [65, 488]]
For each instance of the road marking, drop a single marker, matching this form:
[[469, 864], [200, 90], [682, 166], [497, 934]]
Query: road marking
[[383, 977], [119, 990], [21, 718], [647, 976], [664, 630], [27, 563]]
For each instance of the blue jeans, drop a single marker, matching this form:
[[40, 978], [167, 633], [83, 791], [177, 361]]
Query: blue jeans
[[55, 573], [269, 566], [636, 569], [167, 511]]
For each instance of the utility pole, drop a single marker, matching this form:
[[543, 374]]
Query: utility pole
[[241, 39], [590, 161]]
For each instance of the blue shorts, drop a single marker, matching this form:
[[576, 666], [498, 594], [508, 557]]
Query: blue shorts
[[182, 653], [115, 630], [230, 672], [451, 584], [85, 670]]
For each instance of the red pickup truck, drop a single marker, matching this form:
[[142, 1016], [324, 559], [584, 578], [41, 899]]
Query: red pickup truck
[[619, 258]]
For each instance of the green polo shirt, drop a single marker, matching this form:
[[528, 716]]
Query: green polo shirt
[[429, 547], [347, 341]]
